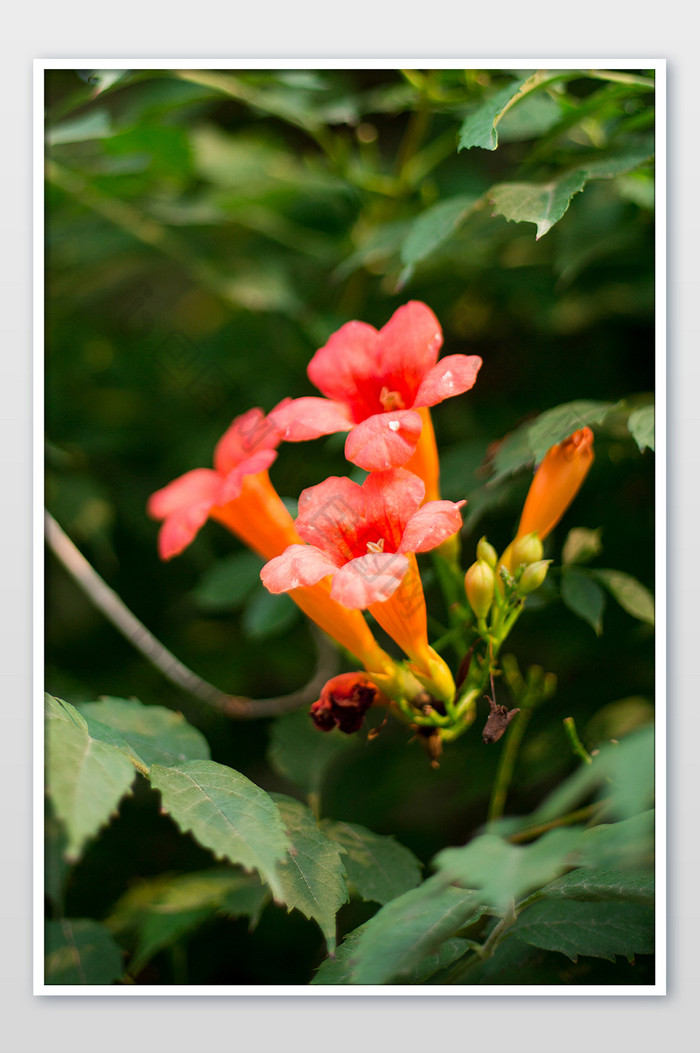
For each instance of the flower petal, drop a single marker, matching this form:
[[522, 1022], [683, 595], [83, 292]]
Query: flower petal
[[409, 342], [180, 529], [349, 353], [383, 441], [453, 375], [310, 417], [431, 525], [369, 579], [392, 498], [250, 432], [232, 483], [200, 486], [330, 515], [298, 566]]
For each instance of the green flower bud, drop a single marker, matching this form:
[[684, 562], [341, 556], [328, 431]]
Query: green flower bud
[[486, 552], [533, 576], [526, 550], [479, 584]]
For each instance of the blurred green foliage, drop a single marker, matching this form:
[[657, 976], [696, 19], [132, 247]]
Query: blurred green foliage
[[206, 232]]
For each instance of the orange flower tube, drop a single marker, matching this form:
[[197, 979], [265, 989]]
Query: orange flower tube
[[238, 494]]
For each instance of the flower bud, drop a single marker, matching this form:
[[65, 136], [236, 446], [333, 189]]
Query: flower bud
[[556, 483], [486, 552], [533, 576], [526, 550], [479, 585]]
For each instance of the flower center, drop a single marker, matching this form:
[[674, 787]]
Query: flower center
[[391, 400], [375, 546]]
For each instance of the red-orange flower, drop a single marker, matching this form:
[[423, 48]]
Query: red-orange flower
[[364, 538], [374, 383], [238, 493]]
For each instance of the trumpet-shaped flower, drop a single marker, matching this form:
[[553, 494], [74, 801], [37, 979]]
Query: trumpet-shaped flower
[[238, 493], [364, 538], [377, 386]]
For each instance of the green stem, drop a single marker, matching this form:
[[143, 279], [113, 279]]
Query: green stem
[[576, 744], [506, 764]]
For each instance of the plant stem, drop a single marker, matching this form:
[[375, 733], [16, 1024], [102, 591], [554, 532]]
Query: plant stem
[[506, 764], [576, 744]]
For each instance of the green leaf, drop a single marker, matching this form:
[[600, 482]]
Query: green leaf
[[228, 582], [641, 426], [532, 440], [583, 596], [305, 755], [154, 734], [531, 118], [540, 203], [632, 596], [557, 424], [85, 778], [339, 970], [162, 910], [406, 931], [637, 886], [627, 845], [624, 772], [266, 615], [81, 951], [599, 929], [97, 124], [226, 813], [434, 227], [504, 872], [312, 875], [581, 545], [479, 128], [378, 868]]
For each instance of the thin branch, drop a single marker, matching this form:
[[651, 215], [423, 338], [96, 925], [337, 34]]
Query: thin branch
[[115, 610]]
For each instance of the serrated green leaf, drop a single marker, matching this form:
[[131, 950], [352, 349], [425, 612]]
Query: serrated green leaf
[[339, 970], [599, 929], [504, 872], [540, 203], [632, 596], [558, 423], [228, 582], [637, 886], [377, 867], [581, 545], [479, 128], [226, 813], [312, 875], [405, 932], [155, 734], [266, 615], [583, 596], [162, 910], [81, 951], [532, 440], [303, 754], [434, 227], [641, 426], [85, 778]]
